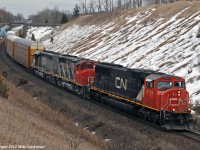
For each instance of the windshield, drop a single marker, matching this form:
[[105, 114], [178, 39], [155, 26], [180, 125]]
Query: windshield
[[179, 84], [164, 85], [87, 66], [90, 66]]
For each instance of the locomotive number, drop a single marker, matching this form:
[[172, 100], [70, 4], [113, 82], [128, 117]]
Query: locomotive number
[[120, 83]]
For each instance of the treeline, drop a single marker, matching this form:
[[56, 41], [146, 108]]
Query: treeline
[[97, 6], [84, 7], [52, 16], [7, 17]]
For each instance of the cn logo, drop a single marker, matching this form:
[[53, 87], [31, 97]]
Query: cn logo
[[120, 83]]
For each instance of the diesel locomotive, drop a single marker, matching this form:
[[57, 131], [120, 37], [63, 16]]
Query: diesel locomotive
[[158, 97]]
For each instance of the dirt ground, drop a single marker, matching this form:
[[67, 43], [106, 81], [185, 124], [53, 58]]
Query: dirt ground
[[106, 125]]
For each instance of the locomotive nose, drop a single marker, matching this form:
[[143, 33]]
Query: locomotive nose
[[178, 100], [177, 106]]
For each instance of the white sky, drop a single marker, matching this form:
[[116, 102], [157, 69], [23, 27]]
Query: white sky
[[27, 7]]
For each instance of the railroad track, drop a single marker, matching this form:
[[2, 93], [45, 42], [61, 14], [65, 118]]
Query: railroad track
[[191, 134]]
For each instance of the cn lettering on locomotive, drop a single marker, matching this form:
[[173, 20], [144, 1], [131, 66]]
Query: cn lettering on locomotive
[[120, 83]]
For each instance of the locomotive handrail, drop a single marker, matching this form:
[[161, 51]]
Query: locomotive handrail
[[166, 102]]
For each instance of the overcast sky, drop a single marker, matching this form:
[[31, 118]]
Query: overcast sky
[[27, 7]]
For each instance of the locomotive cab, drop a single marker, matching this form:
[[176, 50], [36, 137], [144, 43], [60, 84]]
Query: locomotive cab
[[168, 95], [85, 72]]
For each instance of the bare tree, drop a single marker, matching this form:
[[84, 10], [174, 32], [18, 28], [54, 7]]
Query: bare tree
[[36, 18], [106, 5], [6, 16], [99, 5], [47, 15], [55, 14], [91, 6], [111, 5], [18, 17], [126, 4], [119, 5], [139, 3], [83, 6], [133, 3]]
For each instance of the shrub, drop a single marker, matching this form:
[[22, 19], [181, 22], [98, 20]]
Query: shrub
[[3, 89], [197, 108]]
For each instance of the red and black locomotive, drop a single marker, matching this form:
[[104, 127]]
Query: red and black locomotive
[[155, 96], [71, 72]]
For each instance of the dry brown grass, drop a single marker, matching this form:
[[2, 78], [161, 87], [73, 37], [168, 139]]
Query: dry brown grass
[[94, 19], [25, 121], [197, 122], [196, 116], [93, 36], [182, 66], [170, 40], [165, 64], [3, 88], [191, 80]]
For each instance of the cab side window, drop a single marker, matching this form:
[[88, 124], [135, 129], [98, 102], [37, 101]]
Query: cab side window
[[83, 67], [89, 66], [149, 84], [179, 84]]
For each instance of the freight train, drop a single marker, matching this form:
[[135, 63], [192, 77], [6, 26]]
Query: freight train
[[21, 50], [18, 31], [158, 97]]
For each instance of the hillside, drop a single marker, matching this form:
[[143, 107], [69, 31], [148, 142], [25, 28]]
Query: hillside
[[161, 38], [27, 123]]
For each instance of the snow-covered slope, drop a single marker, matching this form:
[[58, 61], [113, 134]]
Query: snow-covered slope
[[161, 38], [39, 32]]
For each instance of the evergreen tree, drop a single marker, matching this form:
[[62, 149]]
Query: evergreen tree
[[64, 18], [76, 11]]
